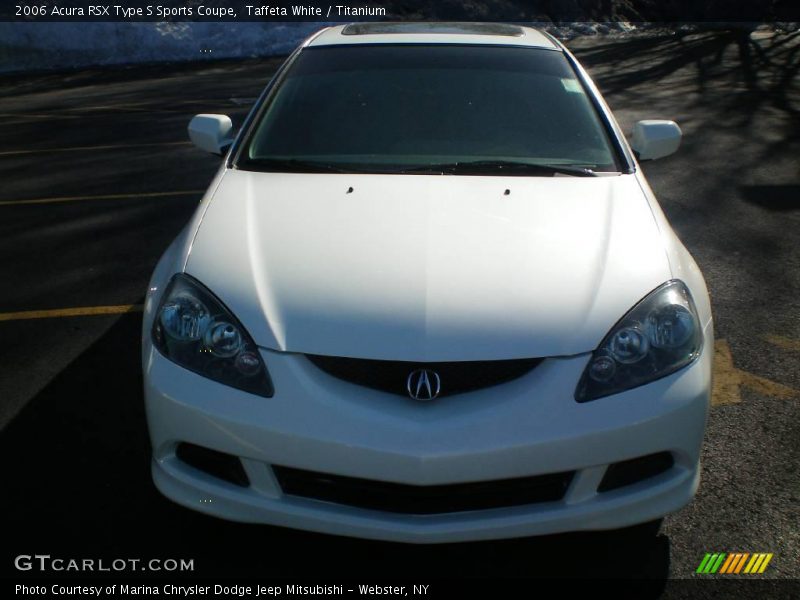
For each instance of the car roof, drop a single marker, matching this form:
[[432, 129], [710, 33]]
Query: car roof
[[433, 33]]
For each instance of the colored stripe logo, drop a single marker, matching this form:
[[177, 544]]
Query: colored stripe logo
[[734, 563]]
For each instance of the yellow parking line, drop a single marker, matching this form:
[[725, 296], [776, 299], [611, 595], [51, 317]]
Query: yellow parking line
[[100, 197], [147, 105], [728, 380], [783, 342], [90, 148], [37, 116], [85, 311]]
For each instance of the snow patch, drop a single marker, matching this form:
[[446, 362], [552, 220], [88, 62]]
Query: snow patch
[[26, 46]]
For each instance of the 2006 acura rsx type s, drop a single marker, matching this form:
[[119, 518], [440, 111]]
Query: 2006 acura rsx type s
[[429, 297]]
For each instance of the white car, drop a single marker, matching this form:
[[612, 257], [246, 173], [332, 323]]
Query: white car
[[429, 297]]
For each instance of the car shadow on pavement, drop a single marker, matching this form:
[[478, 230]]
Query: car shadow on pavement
[[76, 478]]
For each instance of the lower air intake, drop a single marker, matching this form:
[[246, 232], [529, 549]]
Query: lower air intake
[[422, 500]]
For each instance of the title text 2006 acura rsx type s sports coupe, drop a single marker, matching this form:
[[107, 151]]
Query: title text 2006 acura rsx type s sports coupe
[[429, 297]]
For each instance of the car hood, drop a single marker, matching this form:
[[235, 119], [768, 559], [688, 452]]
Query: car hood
[[428, 268]]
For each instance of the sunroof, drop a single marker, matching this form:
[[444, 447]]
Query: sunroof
[[412, 27]]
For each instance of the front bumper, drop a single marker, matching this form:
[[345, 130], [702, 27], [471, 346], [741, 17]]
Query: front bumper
[[526, 427]]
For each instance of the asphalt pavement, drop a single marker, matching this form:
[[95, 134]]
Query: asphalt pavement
[[98, 177]]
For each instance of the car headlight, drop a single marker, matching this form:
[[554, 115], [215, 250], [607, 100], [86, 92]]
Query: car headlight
[[658, 336], [193, 329]]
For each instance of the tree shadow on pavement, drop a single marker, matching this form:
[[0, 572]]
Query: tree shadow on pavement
[[735, 73], [773, 197], [77, 485]]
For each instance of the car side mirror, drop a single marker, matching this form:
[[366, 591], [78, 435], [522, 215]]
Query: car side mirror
[[654, 139], [211, 133]]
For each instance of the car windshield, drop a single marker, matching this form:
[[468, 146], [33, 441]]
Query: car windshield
[[429, 109]]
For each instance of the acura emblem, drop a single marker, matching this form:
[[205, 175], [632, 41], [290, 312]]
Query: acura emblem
[[423, 385]]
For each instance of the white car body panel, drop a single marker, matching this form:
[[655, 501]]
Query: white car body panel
[[319, 423], [333, 36], [428, 268]]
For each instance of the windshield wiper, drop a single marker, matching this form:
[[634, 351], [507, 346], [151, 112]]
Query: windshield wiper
[[472, 167], [294, 165], [501, 167]]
